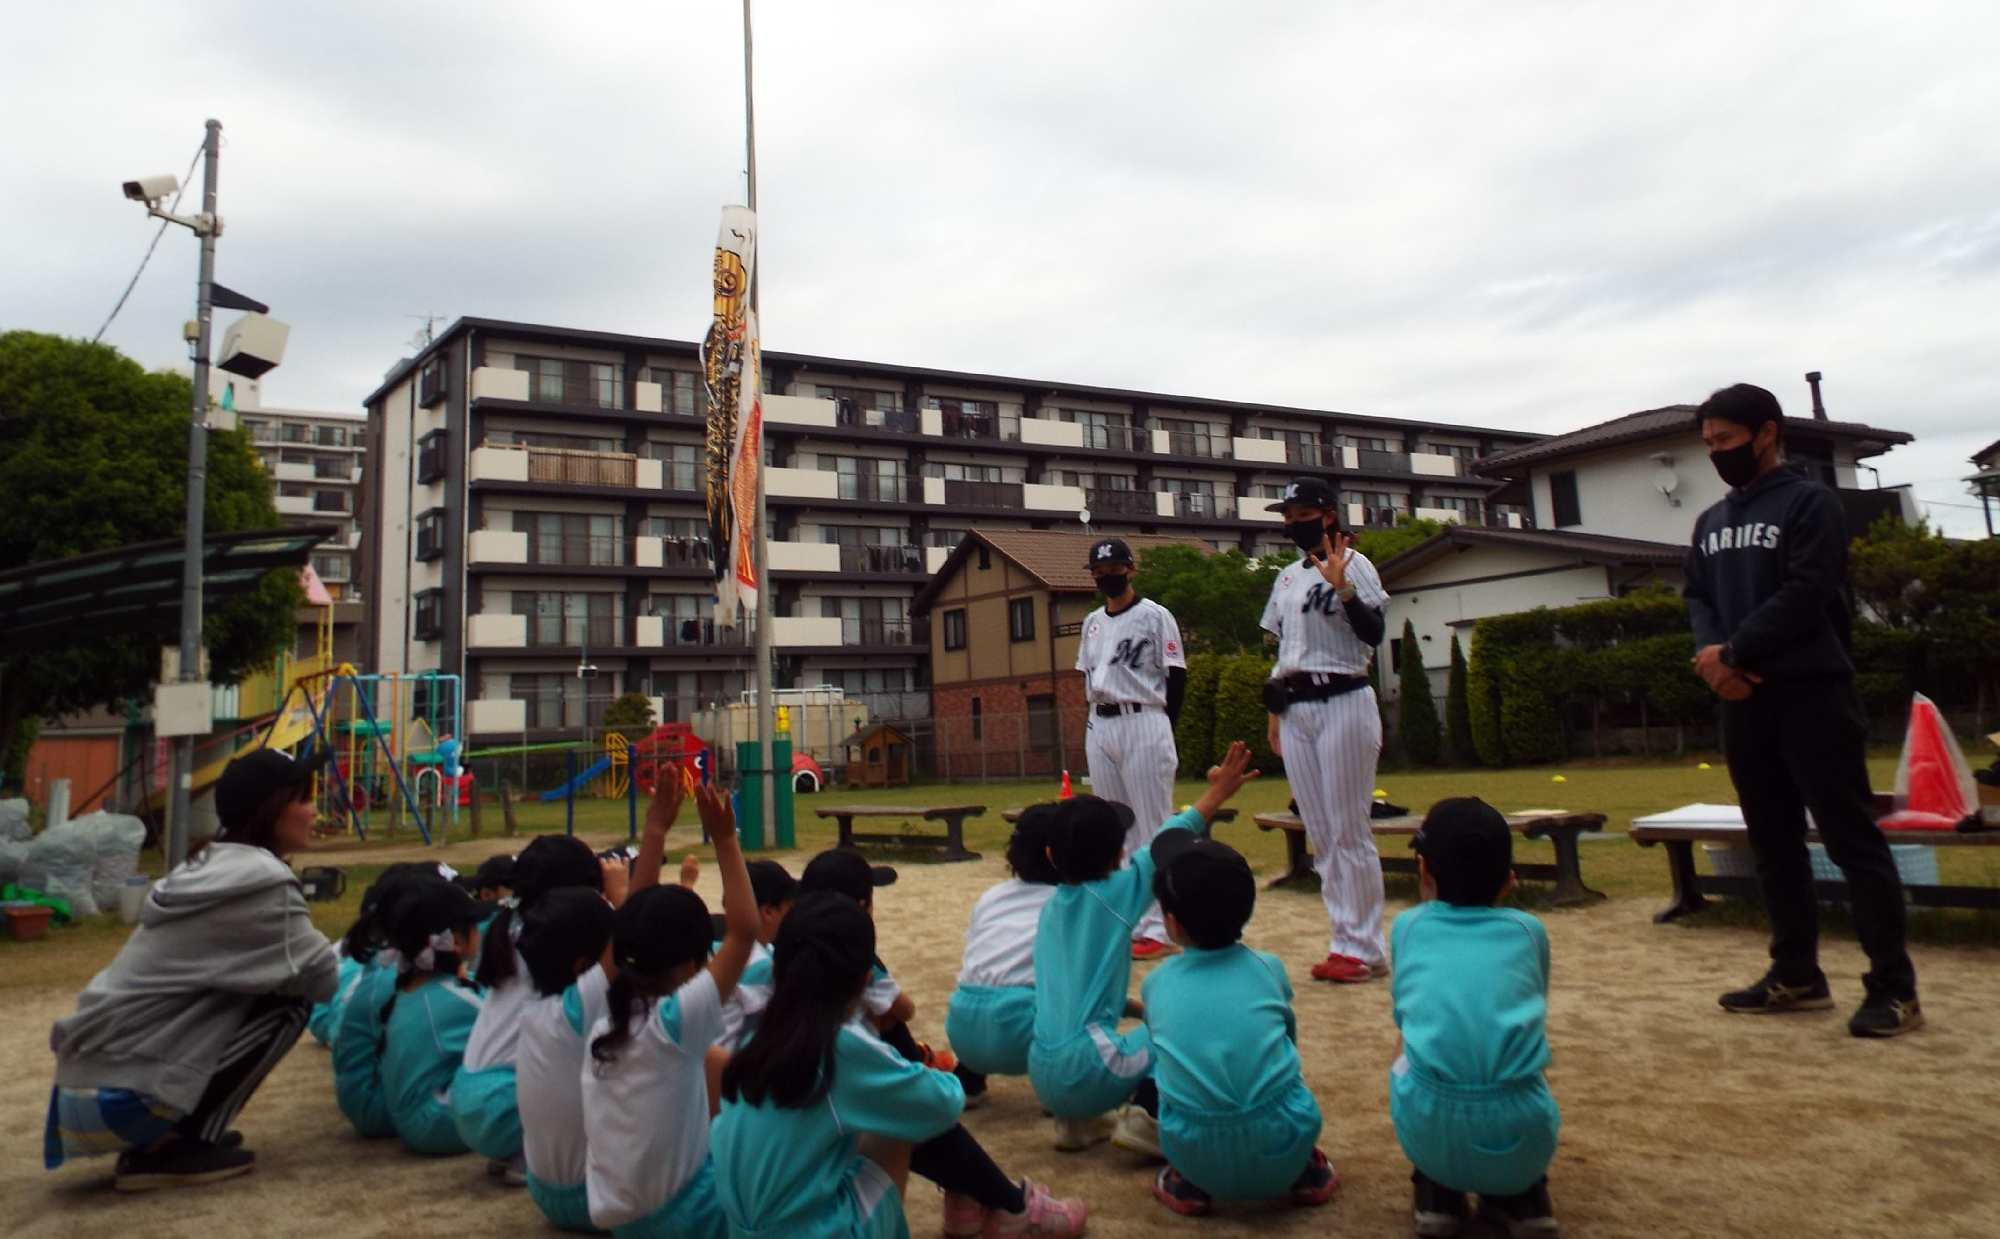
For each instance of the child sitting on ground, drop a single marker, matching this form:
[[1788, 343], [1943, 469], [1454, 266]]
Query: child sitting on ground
[[430, 1017], [1472, 1109], [1082, 1067], [774, 889], [357, 1033], [1236, 1121], [645, 1094], [991, 1020], [564, 941], [822, 1122]]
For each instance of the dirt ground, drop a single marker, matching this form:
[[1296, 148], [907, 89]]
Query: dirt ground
[[1677, 1119]]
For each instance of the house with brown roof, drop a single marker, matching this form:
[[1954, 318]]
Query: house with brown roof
[[1006, 612], [1613, 507], [1986, 482]]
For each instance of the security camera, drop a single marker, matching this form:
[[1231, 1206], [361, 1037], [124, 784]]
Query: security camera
[[151, 188]]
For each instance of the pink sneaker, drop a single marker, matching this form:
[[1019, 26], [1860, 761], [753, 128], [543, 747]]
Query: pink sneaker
[[964, 1217], [1045, 1217]]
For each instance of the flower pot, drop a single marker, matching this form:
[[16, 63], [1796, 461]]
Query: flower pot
[[28, 922]]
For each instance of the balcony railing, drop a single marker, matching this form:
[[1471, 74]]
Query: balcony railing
[[1117, 438], [1381, 518], [849, 412], [912, 631], [875, 487], [1312, 455], [1369, 458], [577, 550], [702, 632], [572, 631], [983, 494], [686, 553], [882, 559], [1213, 447], [1122, 503], [1203, 505], [556, 464], [958, 424]]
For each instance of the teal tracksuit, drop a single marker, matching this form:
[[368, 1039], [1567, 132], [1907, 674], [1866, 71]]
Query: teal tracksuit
[[428, 1029], [357, 1053], [1080, 1064], [1471, 1107], [1236, 1118], [325, 1018]]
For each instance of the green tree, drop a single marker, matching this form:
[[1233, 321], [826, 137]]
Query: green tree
[[1416, 713], [1946, 596], [630, 715], [1216, 597], [1381, 545], [1194, 733], [1239, 708], [93, 455], [1458, 709]]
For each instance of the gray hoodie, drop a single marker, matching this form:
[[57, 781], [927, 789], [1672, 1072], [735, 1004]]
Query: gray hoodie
[[220, 931]]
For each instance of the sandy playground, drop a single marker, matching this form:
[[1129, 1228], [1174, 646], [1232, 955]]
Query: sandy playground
[[1677, 1119]]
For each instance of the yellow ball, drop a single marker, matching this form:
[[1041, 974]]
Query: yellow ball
[[1380, 794], [1558, 779], [1703, 766]]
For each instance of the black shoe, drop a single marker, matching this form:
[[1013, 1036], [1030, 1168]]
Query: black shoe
[[1440, 1212], [231, 1139], [181, 1163], [1771, 996], [1883, 1016], [1524, 1215]]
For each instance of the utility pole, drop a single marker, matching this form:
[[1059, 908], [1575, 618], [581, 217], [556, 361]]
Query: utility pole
[[767, 714], [181, 795]]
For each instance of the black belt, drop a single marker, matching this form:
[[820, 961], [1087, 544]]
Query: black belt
[[1282, 693], [1112, 709]]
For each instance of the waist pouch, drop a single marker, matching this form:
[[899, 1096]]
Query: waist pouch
[[1283, 692]]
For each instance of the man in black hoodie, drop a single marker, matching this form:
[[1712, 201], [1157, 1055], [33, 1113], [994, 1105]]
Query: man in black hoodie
[[1765, 592]]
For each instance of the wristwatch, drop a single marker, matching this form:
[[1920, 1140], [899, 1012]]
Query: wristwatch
[[1345, 593], [1728, 655]]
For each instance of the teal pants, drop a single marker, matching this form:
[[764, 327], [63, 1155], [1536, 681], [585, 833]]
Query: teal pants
[[694, 1212], [566, 1208], [1091, 1073], [429, 1127], [1495, 1139], [1252, 1154], [990, 1027], [489, 1117]]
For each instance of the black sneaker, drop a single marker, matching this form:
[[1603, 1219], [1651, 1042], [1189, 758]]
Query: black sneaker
[[1771, 996], [1524, 1215], [1440, 1212], [1884, 1016], [182, 1163], [1183, 1197]]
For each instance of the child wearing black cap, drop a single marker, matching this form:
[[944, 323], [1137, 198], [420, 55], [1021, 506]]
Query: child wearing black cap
[[1472, 1109], [1236, 1120], [429, 1020]]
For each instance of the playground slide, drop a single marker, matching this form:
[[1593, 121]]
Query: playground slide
[[294, 725], [583, 776]]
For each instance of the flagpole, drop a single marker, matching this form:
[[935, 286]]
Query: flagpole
[[766, 703]]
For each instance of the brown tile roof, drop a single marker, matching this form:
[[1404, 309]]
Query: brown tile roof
[[1584, 547], [1658, 423], [1056, 558]]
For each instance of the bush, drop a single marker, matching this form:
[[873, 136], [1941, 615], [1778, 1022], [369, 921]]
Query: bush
[[1194, 734], [630, 715], [1458, 710], [1528, 718], [1417, 718], [1239, 708]]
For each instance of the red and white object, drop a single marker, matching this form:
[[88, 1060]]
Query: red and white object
[[1934, 785]]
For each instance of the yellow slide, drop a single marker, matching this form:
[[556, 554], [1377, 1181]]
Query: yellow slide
[[294, 723]]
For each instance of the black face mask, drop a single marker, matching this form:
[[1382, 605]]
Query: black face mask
[[1307, 534], [1114, 586], [1736, 465]]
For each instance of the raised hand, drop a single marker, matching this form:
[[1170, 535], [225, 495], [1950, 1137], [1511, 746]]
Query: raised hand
[[1333, 565], [717, 818]]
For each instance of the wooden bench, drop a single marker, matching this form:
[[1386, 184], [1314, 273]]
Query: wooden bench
[[1221, 815], [1691, 887], [1561, 829], [952, 845]]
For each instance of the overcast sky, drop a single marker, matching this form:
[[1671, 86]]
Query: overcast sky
[[1514, 214]]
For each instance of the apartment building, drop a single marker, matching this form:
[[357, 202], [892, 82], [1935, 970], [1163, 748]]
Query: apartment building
[[315, 462], [534, 522]]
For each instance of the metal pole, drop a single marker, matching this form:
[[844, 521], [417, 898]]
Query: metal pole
[[181, 807], [767, 725]]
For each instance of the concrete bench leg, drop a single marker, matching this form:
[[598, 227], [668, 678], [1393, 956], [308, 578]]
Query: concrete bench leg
[[846, 821], [954, 848], [1688, 898], [1569, 889], [1298, 861]]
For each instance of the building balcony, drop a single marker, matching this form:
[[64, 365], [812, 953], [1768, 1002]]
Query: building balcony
[[1363, 516], [960, 424], [493, 383], [497, 546], [1444, 516], [1202, 506], [980, 494], [570, 632], [874, 487], [1041, 432], [801, 484], [1190, 446], [895, 560], [496, 631], [1104, 438], [1066, 499], [934, 557], [294, 505], [1430, 464], [678, 632], [486, 717], [1259, 451], [850, 414], [650, 552], [802, 556], [1369, 458], [292, 471], [1251, 508], [912, 631], [493, 462], [1313, 455], [801, 411], [1110, 503], [805, 630]]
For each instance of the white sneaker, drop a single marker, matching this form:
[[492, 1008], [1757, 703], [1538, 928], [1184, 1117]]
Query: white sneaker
[[1076, 1135], [514, 1172], [1138, 1132]]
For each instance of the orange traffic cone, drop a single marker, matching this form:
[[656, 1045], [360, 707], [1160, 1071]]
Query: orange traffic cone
[[1065, 793]]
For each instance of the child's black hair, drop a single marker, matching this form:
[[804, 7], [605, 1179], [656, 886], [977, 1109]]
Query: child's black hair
[[658, 930], [565, 926], [819, 966], [369, 933], [1087, 839], [1028, 847], [550, 863]]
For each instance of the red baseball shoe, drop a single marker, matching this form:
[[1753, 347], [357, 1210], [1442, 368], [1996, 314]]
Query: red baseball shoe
[[1347, 970]]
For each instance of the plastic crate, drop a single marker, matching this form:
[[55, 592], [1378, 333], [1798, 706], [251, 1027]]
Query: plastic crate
[[1916, 863]]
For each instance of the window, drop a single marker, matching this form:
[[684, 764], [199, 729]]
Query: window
[[430, 534], [1021, 619], [985, 560], [869, 621], [867, 477], [430, 457], [572, 619], [1395, 656], [331, 436], [291, 457], [330, 568], [678, 390], [562, 699], [329, 501], [954, 632], [572, 538], [681, 464], [946, 538], [260, 432], [1562, 497], [978, 721], [554, 381], [567, 443], [951, 471], [292, 490], [431, 382], [967, 419], [291, 432], [429, 615], [1191, 438], [333, 468]]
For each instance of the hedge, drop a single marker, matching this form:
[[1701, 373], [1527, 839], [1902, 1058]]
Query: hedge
[[1416, 713], [1458, 709], [1194, 734], [1239, 707]]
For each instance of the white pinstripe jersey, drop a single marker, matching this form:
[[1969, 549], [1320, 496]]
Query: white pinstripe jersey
[[1124, 657], [1311, 626]]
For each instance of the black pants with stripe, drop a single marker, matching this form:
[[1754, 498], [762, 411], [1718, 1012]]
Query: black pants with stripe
[[269, 1030]]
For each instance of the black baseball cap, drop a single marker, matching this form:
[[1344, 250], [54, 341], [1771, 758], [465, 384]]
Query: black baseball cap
[[1207, 885], [493, 871], [771, 884], [251, 779], [1468, 848], [1309, 493], [431, 905], [1109, 551], [844, 871]]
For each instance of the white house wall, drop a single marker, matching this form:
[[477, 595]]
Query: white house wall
[[392, 481]]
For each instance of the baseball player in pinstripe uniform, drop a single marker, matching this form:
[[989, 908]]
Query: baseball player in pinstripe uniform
[[1134, 673], [1327, 613]]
